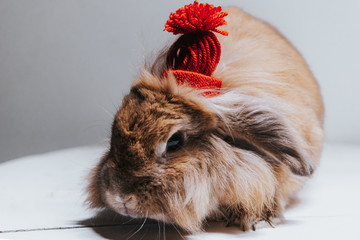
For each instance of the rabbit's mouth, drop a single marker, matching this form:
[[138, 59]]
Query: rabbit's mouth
[[128, 212]]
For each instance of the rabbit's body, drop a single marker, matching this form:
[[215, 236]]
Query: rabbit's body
[[181, 157]]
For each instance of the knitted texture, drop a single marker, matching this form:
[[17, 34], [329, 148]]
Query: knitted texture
[[195, 55], [196, 18]]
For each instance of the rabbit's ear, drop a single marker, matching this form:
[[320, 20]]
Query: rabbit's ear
[[265, 132]]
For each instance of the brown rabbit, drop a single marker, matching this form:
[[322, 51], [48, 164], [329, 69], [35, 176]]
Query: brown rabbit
[[184, 158]]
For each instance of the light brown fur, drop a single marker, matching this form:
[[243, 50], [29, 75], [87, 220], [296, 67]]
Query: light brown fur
[[244, 154]]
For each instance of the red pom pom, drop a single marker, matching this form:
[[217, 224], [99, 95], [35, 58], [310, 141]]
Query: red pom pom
[[196, 18]]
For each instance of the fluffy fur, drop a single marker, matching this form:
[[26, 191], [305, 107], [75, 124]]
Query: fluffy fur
[[245, 153]]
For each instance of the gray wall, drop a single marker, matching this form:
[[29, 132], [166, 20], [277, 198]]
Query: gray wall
[[66, 64]]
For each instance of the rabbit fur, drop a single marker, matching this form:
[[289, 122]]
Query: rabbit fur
[[243, 154]]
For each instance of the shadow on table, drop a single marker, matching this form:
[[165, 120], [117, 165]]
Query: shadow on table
[[110, 225], [113, 226]]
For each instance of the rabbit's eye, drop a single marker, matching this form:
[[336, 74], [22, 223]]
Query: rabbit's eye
[[175, 142]]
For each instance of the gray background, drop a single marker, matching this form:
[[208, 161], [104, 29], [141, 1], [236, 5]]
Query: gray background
[[66, 64]]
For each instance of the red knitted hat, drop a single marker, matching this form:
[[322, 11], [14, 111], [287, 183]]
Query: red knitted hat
[[195, 55]]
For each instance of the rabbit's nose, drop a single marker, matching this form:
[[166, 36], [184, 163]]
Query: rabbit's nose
[[124, 198]]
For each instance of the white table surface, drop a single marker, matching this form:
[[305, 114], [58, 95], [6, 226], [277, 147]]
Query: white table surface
[[42, 197]]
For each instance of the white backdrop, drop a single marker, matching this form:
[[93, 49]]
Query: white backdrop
[[66, 64]]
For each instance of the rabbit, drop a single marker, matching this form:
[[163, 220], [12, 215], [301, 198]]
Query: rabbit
[[180, 157]]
